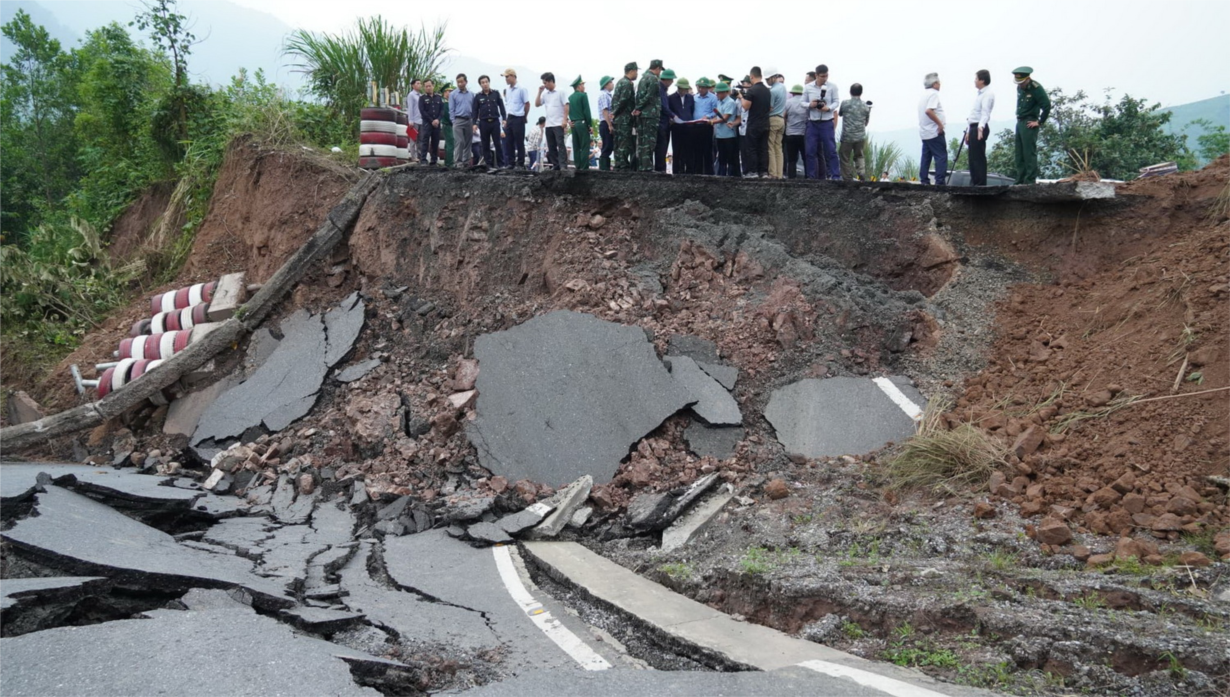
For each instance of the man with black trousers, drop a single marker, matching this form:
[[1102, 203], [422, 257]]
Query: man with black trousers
[[489, 111], [976, 129], [431, 109], [756, 101], [683, 137]]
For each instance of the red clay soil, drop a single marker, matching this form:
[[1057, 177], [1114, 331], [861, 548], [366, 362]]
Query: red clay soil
[[1076, 363], [133, 227]]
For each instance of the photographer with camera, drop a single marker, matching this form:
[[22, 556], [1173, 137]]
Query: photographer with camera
[[822, 99], [855, 113]]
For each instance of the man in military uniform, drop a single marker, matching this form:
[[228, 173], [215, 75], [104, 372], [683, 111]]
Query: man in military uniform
[[1033, 105], [648, 113], [582, 121], [623, 104]]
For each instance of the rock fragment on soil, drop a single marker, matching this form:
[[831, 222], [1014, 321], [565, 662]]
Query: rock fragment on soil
[[567, 501], [839, 416], [714, 405], [358, 370], [567, 394]]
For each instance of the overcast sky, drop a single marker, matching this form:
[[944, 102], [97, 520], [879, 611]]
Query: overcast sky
[[1170, 52]]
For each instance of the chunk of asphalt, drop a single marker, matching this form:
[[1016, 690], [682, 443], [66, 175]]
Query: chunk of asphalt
[[185, 412], [718, 442], [342, 326], [525, 518], [394, 510], [80, 535], [253, 649], [655, 511], [21, 591], [277, 393], [725, 374], [123, 486], [488, 533], [465, 507], [676, 683], [566, 501], [694, 347], [353, 372], [714, 405], [693, 523], [838, 416], [321, 620], [567, 394]]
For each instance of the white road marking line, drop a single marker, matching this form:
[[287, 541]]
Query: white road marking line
[[911, 409], [894, 687], [561, 635]]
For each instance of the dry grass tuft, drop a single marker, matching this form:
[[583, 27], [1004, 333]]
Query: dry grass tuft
[[945, 460]]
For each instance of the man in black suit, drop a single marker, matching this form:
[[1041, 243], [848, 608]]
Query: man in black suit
[[682, 102]]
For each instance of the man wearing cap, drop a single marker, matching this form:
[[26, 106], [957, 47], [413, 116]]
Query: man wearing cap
[[666, 118], [931, 129], [623, 107], [606, 124], [777, 120], [682, 132], [517, 104], [489, 111], [1033, 105], [648, 113], [796, 130], [823, 98], [725, 128], [855, 113], [556, 106], [704, 112], [582, 120]]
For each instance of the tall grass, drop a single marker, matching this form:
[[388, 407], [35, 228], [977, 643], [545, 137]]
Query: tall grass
[[947, 460], [881, 158], [339, 67]]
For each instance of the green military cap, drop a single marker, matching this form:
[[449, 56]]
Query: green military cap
[[797, 89], [578, 82], [682, 83], [655, 63], [1023, 70], [667, 75], [631, 66], [724, 77], [605, 79], [723, 87], [746, 79], [704, 82]]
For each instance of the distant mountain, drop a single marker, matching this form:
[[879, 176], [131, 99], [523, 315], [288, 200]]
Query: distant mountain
[[1215, 110]]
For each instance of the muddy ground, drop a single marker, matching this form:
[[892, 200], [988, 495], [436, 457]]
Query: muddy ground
[[1057, 320]]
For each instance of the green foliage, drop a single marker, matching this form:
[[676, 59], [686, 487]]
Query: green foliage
[[1117, 139], [1002, 560], [882, 158], [677, 571], [340, 67], [757, 560], [1213, 142], [960, 151], [852, 630], [171, 33], [910, 651]]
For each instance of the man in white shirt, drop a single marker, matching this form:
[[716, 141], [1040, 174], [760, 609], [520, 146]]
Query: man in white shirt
[[556, 105], [823, 99], [517, 104], [931, 129], [978, 124]]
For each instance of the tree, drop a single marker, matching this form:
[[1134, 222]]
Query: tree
[[340, 67], [960, 152], [1113, 139], [171, 33], [1214, 141]]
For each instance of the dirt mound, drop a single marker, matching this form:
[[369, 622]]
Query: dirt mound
[[133, 227], [1103, 383]]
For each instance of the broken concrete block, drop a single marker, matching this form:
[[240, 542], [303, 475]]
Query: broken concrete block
[[655, 511], [213, 479], [714, 405], [390, 527], [693, 523], [462, 508], [581, 517], [229, 295], [358, 370], [461, 400], [567, 501], [567, 394], [21, 408], [394, 510], [185, 412], [321, 620], [489, 533], [840, 416], [525, 518]]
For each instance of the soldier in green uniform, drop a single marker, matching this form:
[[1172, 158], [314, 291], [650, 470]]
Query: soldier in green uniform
[[582, 121], [623, 102], [1032, 107], [648, 112]]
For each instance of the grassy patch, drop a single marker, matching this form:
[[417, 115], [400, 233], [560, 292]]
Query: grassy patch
[[1090, 601], [1001, 560], [909, 651], [858, 555], [943, 459], [852, 630], [677, 571], [757, 560]]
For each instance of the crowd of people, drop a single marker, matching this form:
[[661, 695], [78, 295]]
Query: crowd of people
[[753, 128]]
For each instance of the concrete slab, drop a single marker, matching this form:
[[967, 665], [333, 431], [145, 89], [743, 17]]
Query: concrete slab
[[839, 416], [123, 485], [714, 635], [638, 683], [718, 442], [81, 536], [230, 293], [693, 523], [567, 394], [321, 620], [249, 655], [185, 412], [714, 405], [566, 502]]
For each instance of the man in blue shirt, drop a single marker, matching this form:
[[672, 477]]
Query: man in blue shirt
[[725, 130], [461, 110], [517, 102], [704, 112]]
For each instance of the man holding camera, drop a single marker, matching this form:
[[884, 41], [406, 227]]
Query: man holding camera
[[855, 113], [823, 100]]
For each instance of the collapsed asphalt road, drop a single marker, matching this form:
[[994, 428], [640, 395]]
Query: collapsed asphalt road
[[315, 600]]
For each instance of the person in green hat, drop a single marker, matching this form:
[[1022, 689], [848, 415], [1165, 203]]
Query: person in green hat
[[725, 129], [606, 122], [665, 119], [648, 113], [1033, 105], [578, 111], [704, 111], [623, 108], [682, 133], [797, 112]]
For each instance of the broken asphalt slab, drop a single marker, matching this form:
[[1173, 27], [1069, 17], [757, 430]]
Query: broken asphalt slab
[[567, 394], [842, 415], [714, 405], [247, 655], [284, 387], [718, 442], [788, 682], [78, 535]]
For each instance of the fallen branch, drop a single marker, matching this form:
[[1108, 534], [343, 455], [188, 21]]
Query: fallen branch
[[1185, 394], [1178, 380]]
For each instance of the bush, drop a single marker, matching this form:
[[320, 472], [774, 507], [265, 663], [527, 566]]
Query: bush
[[944, 459]]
